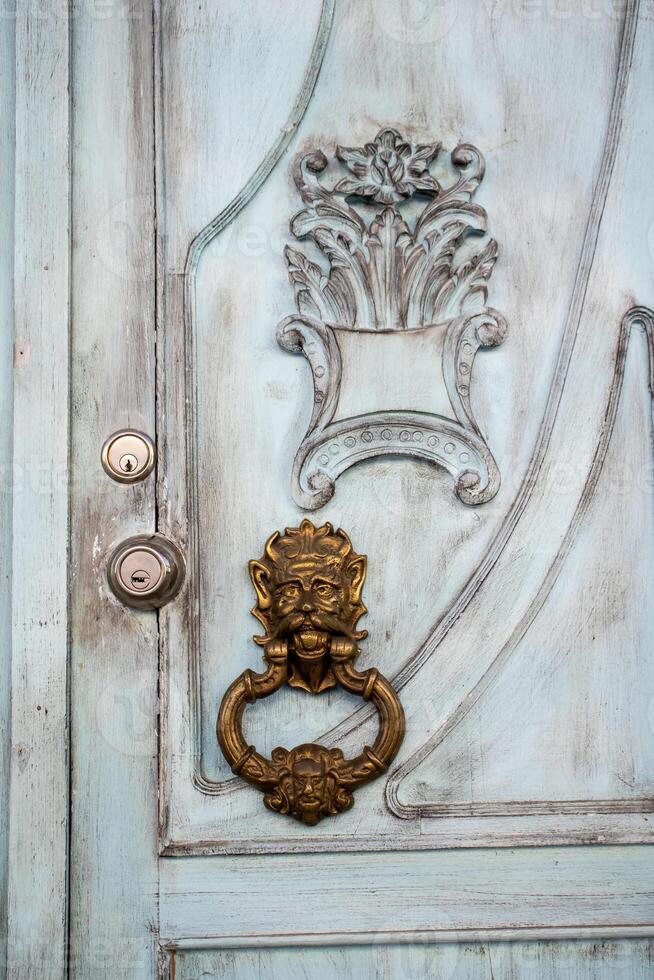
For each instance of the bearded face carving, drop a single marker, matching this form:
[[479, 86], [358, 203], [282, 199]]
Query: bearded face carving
[[308, 586], [310, 784]]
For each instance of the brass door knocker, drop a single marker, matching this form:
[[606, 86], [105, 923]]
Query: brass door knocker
[[308, 585]]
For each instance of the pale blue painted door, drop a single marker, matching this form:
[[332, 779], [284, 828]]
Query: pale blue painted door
[[264, 234]]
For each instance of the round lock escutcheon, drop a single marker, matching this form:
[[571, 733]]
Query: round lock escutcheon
[[146, 571], [128, 456]]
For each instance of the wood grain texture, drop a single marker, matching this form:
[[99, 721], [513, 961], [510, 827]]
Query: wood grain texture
[[38, 805], [579, 960], [113, 649], [7, 69], [328, 898]]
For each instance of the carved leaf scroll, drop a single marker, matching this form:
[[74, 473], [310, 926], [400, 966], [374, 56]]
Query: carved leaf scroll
[[386, 271]]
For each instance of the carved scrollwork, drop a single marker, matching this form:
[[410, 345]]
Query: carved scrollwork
[[387, 273], [308, 587]]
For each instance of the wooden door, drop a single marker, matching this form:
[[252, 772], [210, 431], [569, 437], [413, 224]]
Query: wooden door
[[383, 266]]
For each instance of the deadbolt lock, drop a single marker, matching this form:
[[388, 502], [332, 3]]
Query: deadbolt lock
[[128, 456], [146, 571]]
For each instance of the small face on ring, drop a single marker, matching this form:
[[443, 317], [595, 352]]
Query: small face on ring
[[309, 786], [309, 783]]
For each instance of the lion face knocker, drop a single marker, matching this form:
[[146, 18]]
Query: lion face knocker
[[308, 585]]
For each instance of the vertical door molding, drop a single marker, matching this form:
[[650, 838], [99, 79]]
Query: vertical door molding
[[6, 435], [38, 796], [114, 694]]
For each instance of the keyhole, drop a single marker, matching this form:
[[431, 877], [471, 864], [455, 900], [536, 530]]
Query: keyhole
[[140, 579], [128, 462]]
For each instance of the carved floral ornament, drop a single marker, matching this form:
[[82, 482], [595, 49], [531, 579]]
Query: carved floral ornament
[[383, 271]]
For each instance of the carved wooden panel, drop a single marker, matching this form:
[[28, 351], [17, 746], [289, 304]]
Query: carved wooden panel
[[516, 632], [387, 275]]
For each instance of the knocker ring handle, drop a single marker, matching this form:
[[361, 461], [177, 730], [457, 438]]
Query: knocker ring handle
[[308, 585], [331, 777]]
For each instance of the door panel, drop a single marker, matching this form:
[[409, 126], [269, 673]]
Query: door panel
[[37, 492], [114, 649], [6, 413], [581, 960], [299, 899], [516, 633], [461, 599]]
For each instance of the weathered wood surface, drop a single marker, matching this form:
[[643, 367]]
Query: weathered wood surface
[[474, 612], [519, 634], [7, 68], [38, 772], [113, 886], [340, 898], [579, 960]]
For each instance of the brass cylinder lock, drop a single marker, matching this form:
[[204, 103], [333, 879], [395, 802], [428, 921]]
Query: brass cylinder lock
[[128, 456], [146, 571]]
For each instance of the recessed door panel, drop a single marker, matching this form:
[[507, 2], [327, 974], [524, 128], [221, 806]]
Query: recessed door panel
[[466, 616]]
